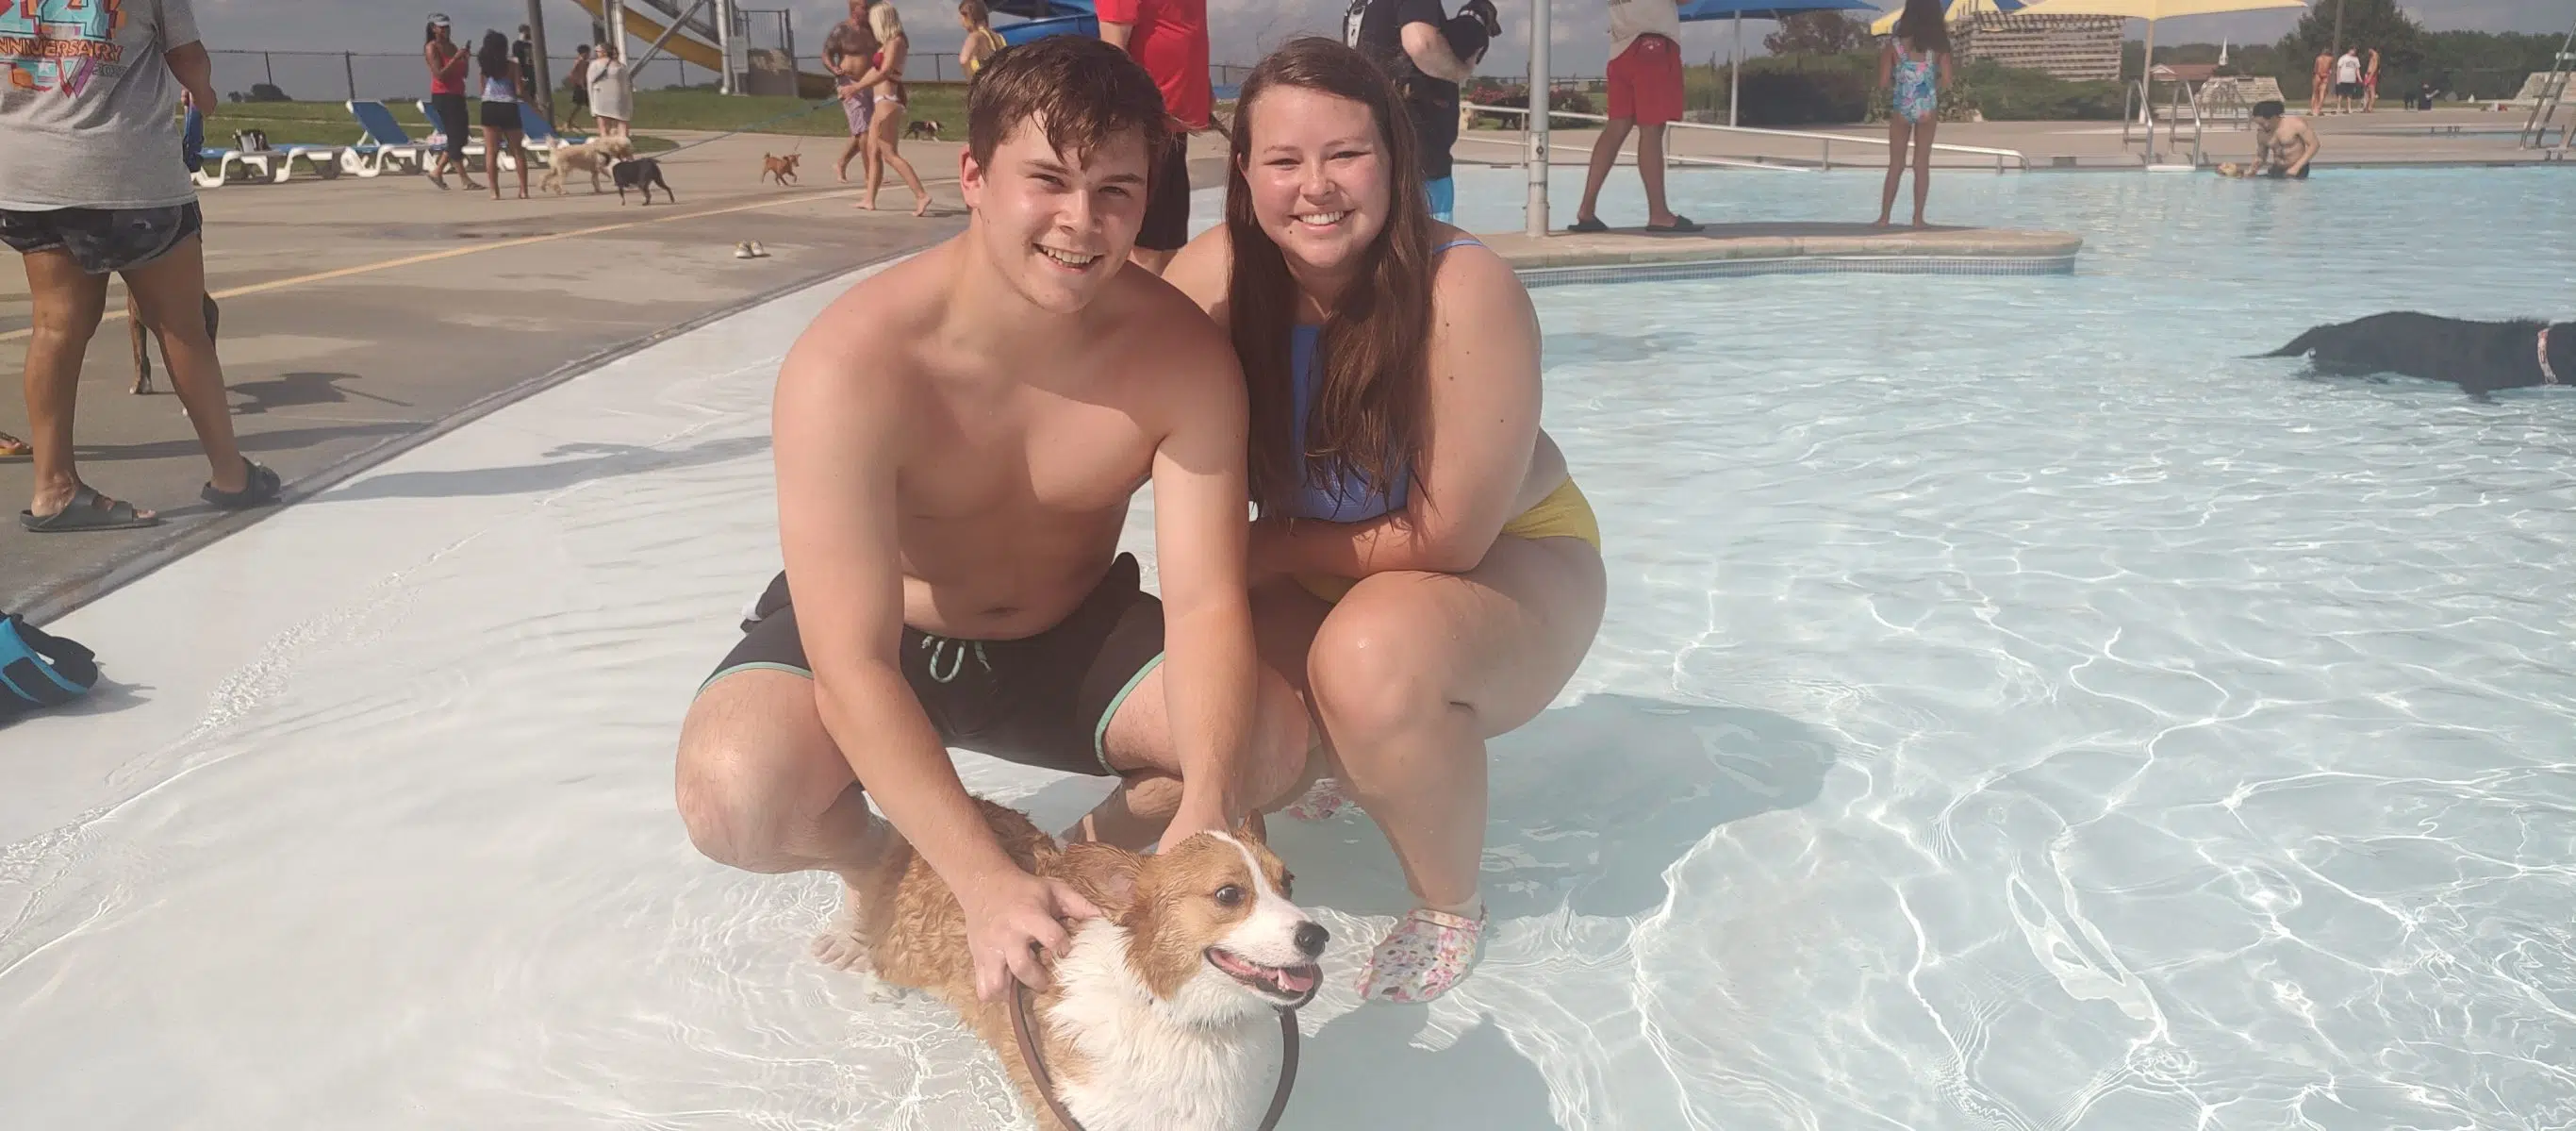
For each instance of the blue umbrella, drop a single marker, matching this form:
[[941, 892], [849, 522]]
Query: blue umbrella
[[1737, 10]]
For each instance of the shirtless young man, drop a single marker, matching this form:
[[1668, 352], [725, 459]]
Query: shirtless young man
[[957, 442], [2283, 145]]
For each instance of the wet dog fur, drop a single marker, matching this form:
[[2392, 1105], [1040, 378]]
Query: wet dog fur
[[1163, 1013], [2479, 357]]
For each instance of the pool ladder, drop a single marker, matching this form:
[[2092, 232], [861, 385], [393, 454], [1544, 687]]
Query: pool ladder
[[2184, 98], [2544, 106]]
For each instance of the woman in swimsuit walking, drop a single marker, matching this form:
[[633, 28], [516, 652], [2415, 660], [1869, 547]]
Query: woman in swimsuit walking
[[884, 82], [1424, 570], [1913, 68]]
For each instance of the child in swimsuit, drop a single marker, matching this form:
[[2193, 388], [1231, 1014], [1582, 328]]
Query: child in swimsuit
[[1913, 68]]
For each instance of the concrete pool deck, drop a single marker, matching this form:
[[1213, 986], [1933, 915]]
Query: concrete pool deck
[[1754, 248]]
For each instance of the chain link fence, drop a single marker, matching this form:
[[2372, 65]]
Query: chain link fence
[[333, 76]]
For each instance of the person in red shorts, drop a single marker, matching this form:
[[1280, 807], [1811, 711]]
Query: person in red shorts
[[1169, 38], [1645, 90]]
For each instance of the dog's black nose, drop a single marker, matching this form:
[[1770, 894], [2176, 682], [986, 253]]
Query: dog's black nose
[[1311, 938]]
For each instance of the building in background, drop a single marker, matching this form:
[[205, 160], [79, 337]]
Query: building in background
[[2074, 48]]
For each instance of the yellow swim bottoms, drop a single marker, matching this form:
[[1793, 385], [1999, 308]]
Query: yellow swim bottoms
[[1564, 513]]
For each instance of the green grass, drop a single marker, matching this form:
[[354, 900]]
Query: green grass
[[329, 123], [707, 110]]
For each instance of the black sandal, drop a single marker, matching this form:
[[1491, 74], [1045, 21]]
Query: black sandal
[[262, 488], [88, 510], [1583, 224]]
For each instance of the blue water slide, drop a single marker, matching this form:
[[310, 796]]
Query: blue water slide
[[1042, 18]]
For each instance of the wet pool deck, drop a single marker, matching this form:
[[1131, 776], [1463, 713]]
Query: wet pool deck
[[1725, 249]]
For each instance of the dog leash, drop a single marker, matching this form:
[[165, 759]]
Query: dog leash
[[1046, 1085]]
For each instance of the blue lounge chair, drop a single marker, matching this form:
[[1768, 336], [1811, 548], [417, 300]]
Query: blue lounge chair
[[385, 143]]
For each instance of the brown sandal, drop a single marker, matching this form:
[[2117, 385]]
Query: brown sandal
[[15, 450]]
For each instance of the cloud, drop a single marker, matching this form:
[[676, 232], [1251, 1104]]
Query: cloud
[[1240, 31]]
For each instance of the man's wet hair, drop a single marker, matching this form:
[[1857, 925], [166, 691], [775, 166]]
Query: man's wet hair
[[1082, 91], [2268, 108]]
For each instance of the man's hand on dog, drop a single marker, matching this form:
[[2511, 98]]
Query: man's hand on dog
[[1011, 915]]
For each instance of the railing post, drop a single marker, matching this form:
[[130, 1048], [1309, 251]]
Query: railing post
[[1535, 221]]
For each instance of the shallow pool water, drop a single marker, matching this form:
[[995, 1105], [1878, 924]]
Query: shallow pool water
[[2017, 708]]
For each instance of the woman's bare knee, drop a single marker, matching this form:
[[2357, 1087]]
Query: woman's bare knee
[[1372, 677]]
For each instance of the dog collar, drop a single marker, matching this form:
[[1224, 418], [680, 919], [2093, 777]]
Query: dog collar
[[2548, 376], [1046, 1085]]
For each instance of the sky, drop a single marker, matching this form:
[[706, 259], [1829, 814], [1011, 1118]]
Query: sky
[[1239, 30]]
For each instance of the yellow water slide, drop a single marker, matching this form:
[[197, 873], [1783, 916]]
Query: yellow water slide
[[695, 52]]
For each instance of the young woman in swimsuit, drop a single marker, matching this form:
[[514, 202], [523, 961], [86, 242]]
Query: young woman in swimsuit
[[1913, 68], [981, 40], [884, 81], [1424, 569]]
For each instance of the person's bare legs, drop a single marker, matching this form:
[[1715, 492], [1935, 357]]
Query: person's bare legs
[[1897, 132], [518, 153], [858, 145], [1140, 747], [1923, 132], [1650, 169], [169, 295], [65, 305], [762, 787], [492, 159], [1605, 153], [1412, 672]]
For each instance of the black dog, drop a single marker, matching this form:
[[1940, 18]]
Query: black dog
[[2477, 356], [641, 173]]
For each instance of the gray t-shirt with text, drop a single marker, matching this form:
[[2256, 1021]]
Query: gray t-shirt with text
[[87, 106]]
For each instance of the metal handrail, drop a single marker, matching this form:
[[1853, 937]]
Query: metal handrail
[[1827, 161], [2173, 132]]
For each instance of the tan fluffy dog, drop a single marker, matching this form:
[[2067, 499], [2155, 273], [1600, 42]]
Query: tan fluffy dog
[[1163, 1014], [592, 157]]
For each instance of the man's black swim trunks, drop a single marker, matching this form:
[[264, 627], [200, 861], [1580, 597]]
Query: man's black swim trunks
[[1043, 700]]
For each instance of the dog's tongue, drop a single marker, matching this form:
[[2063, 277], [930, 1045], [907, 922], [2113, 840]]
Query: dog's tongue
[[1296, 981]]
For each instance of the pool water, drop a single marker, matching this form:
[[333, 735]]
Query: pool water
[[2017, 708]]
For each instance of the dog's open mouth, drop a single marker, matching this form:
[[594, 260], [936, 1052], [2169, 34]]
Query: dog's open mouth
[[1290, 986]]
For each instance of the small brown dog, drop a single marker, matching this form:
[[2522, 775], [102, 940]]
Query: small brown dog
[[1162, 1014], [926, 129], [141, 337], [782, 168]]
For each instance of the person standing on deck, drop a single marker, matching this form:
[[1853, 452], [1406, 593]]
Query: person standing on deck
[[1645, 94], [1170, 39]]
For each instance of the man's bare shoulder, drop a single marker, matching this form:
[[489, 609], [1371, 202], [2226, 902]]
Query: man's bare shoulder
[[859, 340], [1176, 360]]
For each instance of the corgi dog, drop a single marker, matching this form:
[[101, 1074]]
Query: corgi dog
[[1164, 1012]]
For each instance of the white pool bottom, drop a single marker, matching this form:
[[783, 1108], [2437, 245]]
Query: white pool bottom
[[378, 831], [374, 829]]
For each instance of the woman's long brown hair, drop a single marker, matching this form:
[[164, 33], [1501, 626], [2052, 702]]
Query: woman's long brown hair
[[1372, 395]]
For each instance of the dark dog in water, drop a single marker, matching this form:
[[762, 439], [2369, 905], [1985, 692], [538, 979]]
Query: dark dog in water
[[643, 173], [2480, 357]]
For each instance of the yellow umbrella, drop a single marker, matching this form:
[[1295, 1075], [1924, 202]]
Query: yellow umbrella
[[1958, 10]]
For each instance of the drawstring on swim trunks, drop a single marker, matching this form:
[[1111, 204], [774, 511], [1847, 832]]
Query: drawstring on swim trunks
[[938, 646]]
